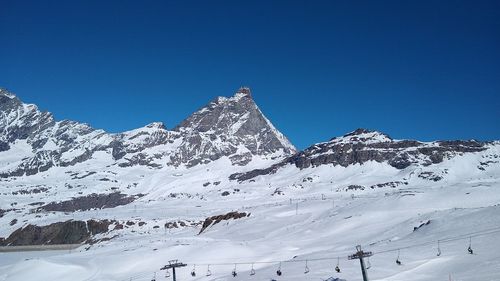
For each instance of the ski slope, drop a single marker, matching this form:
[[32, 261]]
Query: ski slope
[[295, 216]]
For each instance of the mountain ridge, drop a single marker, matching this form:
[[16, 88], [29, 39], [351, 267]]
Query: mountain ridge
[[242, 137], [363, 145]]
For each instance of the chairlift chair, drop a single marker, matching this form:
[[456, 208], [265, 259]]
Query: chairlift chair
[[470, 246], [193, 272], [234, 272], [439, 250], [208, 271], [306, 269], [278, 272], [252, 271], [337, 268], [398, 262]]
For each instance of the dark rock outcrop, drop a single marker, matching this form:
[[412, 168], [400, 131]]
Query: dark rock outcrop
[[392, 184], [92, 201], [4, 146], [68, 232], [181, 223], [355, 187], [422, 224], [97, 227], [430, 176], [210, 221]]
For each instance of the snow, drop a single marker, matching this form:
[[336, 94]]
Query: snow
[[367, 138], [379, 219]]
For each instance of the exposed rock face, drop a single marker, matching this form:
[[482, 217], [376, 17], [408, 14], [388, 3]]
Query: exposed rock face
[[181, 223], [2, 212], [422, 224], [22, 121], [430, 176], [232, 127], [225, 126], [92, 201], [4, 146], [210, 221], [52, 143], [363, 145], [97, 227], [392, 184], [68, 232]]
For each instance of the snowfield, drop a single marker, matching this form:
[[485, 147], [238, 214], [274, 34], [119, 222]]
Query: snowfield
[[295, 215]]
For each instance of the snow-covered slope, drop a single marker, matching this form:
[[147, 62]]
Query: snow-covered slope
[[154, 195], [228, 127], [361, 146]]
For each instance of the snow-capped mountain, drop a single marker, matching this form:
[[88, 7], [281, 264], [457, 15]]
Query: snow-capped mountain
[[227, 127], [361, 146], [35, 142], [224, 190]]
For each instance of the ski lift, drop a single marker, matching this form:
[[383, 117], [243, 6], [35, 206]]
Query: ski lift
[[306, 270], [154, 277], [234, 271], [252, 271], [208, 271], [439, 250], [193, 272], [368, 264], [470, 246], [398, 262], [278, 272], [167, 273], [337, 268]]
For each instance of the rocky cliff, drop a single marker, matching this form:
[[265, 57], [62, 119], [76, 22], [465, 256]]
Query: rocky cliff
[[363, 145], [34, 142]]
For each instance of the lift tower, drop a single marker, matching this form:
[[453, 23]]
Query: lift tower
[[360, 255], [173, 264]]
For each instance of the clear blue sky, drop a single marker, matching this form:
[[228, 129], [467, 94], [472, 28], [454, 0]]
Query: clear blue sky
[[318, 69]]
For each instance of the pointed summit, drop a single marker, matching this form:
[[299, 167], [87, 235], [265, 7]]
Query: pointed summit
[[243, 92], [227, 125], [20, 120]]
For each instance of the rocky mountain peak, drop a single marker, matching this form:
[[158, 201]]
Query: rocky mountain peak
[[8, 101], [5, 93], [363, 135], [156, 125], [234, 124], [226, 115], [359, 131], [243, 92], [19, 120]]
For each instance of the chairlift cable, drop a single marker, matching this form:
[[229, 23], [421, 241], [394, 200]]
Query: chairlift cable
[[445, 240]]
